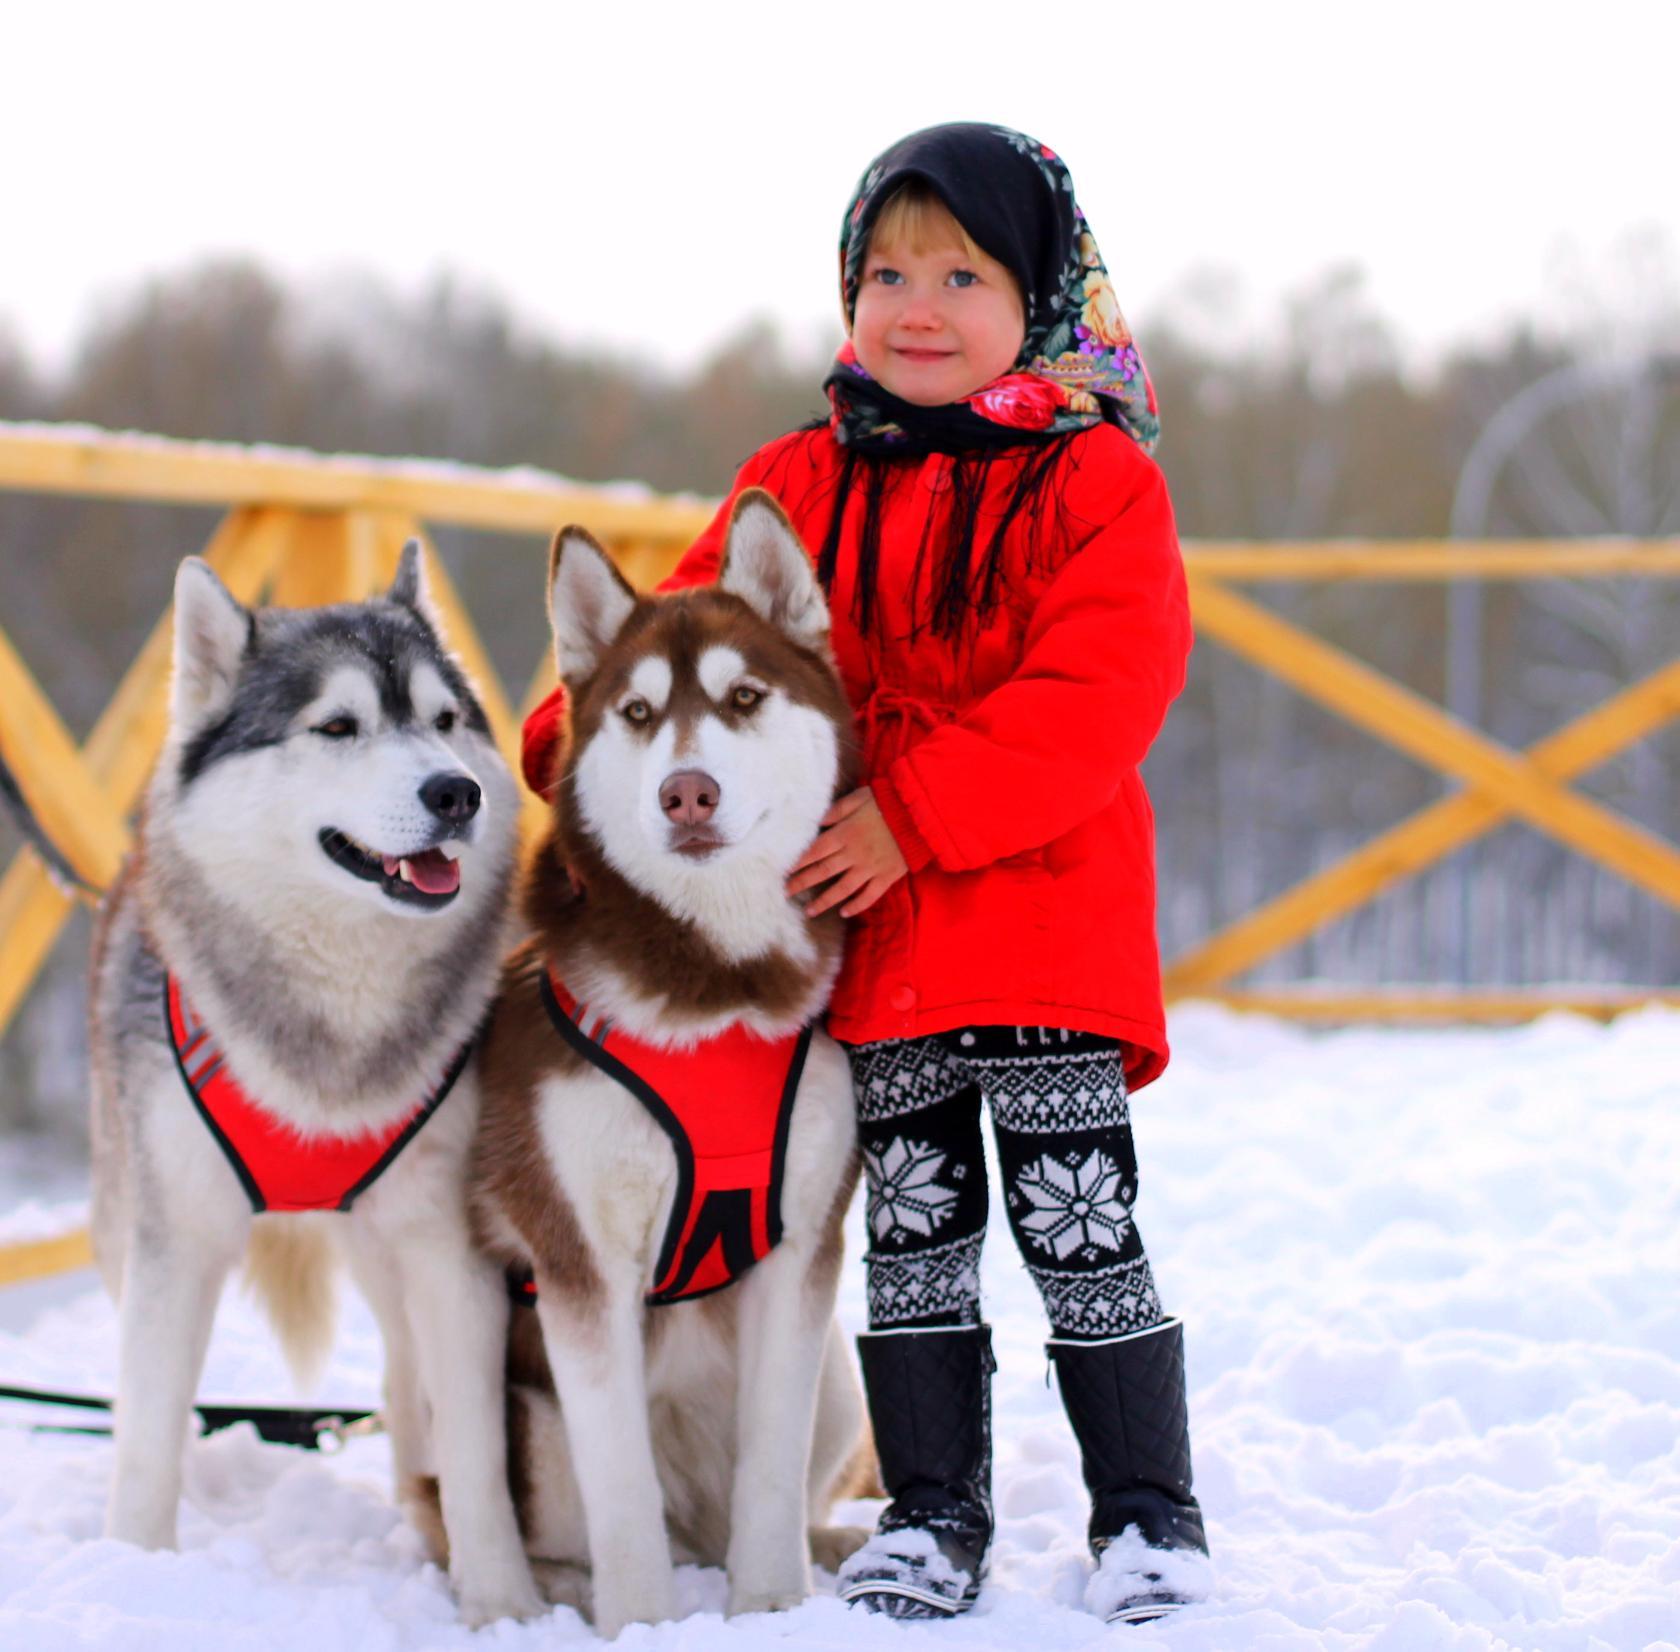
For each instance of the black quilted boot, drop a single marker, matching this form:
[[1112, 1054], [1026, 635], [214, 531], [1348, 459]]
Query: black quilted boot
[[930, 1401], [1125, 1399]]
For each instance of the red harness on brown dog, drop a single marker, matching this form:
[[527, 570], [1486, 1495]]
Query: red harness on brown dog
[[726, 1104], [279, 1168]]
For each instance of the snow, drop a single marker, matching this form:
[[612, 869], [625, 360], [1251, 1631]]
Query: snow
[[1430, 1293]]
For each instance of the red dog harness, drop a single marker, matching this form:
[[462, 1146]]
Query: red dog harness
[[279, 1168], [726, 1105]]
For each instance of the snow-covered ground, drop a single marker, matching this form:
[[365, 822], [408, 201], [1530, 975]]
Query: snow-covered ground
[[1432, 1301]]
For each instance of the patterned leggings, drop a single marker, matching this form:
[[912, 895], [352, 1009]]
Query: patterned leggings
[[1064, 1142]]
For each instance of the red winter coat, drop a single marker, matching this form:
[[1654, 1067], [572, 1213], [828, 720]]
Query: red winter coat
[[1007, 768]]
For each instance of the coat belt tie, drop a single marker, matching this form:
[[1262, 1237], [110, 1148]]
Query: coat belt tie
[[892, 720]]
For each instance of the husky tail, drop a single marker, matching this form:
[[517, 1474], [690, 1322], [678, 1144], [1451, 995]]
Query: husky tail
[[291, 1267]]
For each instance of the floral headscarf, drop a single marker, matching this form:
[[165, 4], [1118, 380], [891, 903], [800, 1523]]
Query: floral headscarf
[[1078, 363]]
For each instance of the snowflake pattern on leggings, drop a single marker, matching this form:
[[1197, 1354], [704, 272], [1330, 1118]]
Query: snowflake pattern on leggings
[[905, 1195], [1076, 1208], [1069, 1169]]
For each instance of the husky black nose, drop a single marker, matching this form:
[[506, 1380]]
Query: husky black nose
[[451, 797], [689, 797]]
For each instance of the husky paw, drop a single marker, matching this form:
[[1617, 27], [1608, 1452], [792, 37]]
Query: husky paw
[[763, 1600], [615, 1611], [563, 1583], [518, 1600], [143, 1533]]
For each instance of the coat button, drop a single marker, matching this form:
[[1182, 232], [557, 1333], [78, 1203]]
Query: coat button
[[903, 998]]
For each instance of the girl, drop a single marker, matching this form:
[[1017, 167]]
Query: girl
[[1010, 621]]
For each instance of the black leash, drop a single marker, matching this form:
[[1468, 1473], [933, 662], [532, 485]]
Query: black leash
[[279, 1425], [53, 858]]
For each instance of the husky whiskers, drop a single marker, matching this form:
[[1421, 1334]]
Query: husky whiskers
[[286, 979], [661, 1121]]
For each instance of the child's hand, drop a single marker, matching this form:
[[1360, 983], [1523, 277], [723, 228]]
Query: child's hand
[[858, 851]]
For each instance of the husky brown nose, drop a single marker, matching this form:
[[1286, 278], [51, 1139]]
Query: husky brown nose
[[689, 797], [451, 797]]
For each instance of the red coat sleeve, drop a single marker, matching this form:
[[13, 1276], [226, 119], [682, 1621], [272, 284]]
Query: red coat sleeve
[[540, 737], [1103, 657]]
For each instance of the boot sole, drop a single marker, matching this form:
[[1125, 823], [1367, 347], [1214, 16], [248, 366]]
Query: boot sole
[[1146, 1613], [937, 1605]]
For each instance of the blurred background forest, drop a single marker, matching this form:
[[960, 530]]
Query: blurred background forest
[[1305, 423]]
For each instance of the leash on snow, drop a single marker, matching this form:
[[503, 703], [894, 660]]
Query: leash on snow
[[313, 1430], [28, 823]]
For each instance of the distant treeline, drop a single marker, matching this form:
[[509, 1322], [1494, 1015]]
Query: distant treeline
[[1320, 432]]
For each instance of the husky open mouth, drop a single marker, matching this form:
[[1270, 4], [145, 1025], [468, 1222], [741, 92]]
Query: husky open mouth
[[429, 879]]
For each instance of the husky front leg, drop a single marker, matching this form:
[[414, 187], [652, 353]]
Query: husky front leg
[[596, 1354], [782, 1331], [458, 1308], [171, 1282]]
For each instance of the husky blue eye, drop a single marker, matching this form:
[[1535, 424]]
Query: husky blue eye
[[745, 697], [337, 728], [444, 722], [638, 711]]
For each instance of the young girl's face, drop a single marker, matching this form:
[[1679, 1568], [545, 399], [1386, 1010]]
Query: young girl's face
[[935, 321]]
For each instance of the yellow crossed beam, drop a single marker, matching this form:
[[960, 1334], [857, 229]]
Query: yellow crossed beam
[[1503, 783]]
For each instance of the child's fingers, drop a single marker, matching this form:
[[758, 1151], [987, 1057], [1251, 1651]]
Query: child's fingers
[[814, 869], [821, 848], [872, 891], [846, 806], [810, 876], [836, 892]]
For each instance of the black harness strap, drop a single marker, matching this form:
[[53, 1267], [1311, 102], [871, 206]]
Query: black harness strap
[[28, 823], [658, 1108]]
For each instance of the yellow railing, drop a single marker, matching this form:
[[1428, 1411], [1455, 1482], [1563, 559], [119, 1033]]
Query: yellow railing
[[305, 529]]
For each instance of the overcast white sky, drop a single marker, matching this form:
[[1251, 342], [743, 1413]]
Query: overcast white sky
[[650, 175]]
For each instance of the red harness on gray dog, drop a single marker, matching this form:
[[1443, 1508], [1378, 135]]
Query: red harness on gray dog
[[726, 1104], [279, 1168]]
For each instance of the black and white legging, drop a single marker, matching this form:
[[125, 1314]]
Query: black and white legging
[[1064, 1142]]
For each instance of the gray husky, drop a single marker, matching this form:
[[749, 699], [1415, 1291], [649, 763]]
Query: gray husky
[[287, 978]]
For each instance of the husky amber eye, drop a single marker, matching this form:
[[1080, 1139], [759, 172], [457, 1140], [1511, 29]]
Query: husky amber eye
[[745, 697], [638, 711], [444, 721], [337, 728]]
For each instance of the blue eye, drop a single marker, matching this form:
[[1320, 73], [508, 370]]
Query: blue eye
[[888, 278], [963, 278]]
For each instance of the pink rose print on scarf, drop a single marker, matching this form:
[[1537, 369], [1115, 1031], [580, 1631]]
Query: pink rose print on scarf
[[1020, 400]]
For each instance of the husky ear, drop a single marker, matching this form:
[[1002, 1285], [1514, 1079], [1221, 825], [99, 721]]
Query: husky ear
[[409, 587], [588, 602], [212, 633], [766, 566]]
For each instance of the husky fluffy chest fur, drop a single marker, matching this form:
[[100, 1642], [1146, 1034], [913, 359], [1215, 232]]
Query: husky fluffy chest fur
[[323, 869], [708, 734]]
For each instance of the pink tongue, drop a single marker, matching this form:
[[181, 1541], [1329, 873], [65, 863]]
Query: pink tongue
[[434, 873]]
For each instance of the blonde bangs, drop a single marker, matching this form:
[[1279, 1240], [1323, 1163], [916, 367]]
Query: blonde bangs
[[916, 219]]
